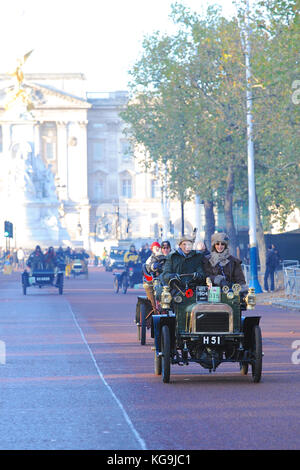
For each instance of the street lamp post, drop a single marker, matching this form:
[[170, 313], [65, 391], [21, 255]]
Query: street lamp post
[[254, 282]]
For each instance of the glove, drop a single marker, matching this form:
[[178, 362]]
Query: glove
[[197, 277], [155, 266], [175, 277]]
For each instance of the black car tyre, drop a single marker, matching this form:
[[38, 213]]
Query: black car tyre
[[60, 284], [116, 284], [257, 354], [124, 284], [165, 358], [143, 323]]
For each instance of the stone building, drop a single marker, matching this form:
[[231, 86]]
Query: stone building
[[99, 190]]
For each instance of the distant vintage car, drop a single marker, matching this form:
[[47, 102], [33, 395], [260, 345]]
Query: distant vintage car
[[79, 267], [115, 259], [130, 277], [43, 278], [206, 326]]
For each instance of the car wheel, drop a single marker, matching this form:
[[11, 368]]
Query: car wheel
[[165, 358], [124, 284], [257, 354], [143, 323], [60, 284], [116, 284]]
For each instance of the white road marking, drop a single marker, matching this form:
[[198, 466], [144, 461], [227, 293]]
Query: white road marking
[[127, 419]]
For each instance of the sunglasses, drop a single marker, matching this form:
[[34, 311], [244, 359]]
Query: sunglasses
[[165, 247], [220, 243]]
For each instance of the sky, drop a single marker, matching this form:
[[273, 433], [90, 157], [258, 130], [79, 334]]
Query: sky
[[100, 38]]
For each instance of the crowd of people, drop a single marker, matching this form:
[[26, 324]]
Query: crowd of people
[[159, 259], [19, 259]]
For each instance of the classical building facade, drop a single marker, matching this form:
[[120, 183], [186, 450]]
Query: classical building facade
[[100, 191]]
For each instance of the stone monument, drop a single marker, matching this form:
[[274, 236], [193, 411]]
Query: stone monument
[[30, 198]]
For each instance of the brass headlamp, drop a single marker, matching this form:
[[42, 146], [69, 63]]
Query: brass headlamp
[[250, 299], [166, 298]]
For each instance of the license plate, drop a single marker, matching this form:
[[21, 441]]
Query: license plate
[[43, 279], [212, 340]]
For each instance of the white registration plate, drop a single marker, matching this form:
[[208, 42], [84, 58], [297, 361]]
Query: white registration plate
[[42, 279], [212, 340]]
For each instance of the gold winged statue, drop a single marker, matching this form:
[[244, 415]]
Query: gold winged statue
[[19, 91]]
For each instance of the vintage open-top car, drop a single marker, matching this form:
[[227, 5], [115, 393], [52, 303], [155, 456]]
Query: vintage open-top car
[[205, 325], [43, 278], [130, 277], [79, 267]]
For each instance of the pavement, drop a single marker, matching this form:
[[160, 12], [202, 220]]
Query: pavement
[[279, 299]]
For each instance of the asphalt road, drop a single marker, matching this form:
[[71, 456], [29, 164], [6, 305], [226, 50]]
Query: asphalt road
[[74, 376]]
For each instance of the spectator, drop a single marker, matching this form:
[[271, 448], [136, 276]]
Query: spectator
[[278, 259], [20, 256], [271, 263]]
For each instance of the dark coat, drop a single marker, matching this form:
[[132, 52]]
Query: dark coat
[[179, 264], [271, 260], [232, 271]]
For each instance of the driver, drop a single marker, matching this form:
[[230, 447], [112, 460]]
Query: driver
[[221, 267], [36, 259], [131, 256], [184, 260]]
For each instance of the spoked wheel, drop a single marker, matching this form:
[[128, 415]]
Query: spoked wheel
[[165, 358], [116, 284], [124, 284], [143, 323], [60, 285], [257, 354]]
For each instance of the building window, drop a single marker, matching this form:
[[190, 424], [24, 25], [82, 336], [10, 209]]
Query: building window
[[98, 150], [49, 139], [154, 188], [127, 188], [99, 189], [49, 150], [125, 150]]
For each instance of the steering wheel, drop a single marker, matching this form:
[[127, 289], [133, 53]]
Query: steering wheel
[[183, 281]]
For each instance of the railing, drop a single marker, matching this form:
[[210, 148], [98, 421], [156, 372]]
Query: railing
[[246, 271], [288, 263], [292, 282]]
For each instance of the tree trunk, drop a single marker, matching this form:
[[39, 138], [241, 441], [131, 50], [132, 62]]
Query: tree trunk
[[229, 221], [261, 244], [209, 221], [182, 216]]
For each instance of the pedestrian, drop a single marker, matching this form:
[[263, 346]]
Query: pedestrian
[[278, 259], [20, 256], [271, 264]]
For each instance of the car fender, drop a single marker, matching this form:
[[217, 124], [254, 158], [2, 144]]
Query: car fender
[[158, 322], [248, 324]]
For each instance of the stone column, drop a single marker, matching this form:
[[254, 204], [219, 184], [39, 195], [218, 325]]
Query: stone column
[[62, 160], [84, 200], [37, 139]]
